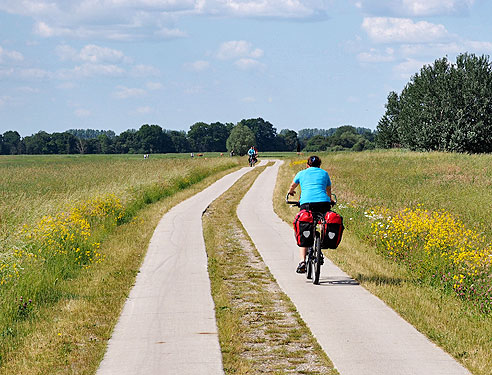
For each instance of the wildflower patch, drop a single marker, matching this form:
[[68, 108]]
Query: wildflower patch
[[437, 247]]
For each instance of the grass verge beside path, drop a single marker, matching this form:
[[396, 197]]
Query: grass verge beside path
[[260, 330], [70, 337], [446, 320]]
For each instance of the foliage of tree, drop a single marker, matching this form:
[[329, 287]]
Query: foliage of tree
[[11, 142], [343, 138], [127, 142], [265, 133], [240, 139], [446, 107], [208, 137], [288, 140], [387, 136], [179, 141], [305, 134], [152, 139], [201, 137], [91, 133]]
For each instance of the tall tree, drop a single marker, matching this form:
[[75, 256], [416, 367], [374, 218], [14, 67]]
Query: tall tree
[[127, 142], [208, 137], [289, 140], [444, 107], [11, 142], [179, 141], [39, 143], [387, 129], [264, 133], [241, 139]]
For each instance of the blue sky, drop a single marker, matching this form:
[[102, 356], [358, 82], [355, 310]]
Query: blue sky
[[118, 64]]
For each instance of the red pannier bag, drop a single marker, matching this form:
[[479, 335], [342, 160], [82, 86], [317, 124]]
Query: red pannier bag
[[333, 230], [303, 228]]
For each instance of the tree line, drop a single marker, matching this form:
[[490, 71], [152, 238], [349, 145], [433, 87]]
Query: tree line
[[201, 137], [445, 107]]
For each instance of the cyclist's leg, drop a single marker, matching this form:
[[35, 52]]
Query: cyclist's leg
[[301, 268]]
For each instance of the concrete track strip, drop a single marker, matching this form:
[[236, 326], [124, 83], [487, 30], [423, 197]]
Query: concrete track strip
[[359, 333], [167, 325]]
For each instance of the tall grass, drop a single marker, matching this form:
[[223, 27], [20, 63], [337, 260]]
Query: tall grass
[[56, 211]]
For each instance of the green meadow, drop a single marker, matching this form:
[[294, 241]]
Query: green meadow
[[60, 217], [74, 230]]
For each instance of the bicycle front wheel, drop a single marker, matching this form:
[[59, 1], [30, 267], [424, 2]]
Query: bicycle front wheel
[[317, 261]]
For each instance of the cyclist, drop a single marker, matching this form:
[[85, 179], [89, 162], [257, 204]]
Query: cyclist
[[315, 195], [252, 153]]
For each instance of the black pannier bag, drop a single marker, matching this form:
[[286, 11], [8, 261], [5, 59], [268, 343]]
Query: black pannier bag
[[303, 228], [333, 230]]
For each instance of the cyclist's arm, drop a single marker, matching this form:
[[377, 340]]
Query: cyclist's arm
[[292, 189], [328, 191]]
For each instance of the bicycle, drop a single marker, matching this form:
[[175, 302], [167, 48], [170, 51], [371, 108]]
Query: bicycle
[[252, 160], [314, 258]]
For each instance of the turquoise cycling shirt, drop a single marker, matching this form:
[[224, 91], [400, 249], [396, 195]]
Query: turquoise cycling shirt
[[314, 182]]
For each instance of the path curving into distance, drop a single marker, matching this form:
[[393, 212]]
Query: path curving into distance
[[168, 325], [358, 332]]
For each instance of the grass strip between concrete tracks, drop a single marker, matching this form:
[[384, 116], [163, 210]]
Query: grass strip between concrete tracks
[[443, 318], [260, 330], [70, 336]]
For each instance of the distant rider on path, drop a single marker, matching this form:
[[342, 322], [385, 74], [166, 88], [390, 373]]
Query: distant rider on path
[[252, 153]]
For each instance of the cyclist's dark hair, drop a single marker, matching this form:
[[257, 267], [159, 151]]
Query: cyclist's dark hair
[[314, 161]]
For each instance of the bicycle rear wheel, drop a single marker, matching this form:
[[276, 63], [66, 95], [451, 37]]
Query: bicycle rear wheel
[[317, 261]]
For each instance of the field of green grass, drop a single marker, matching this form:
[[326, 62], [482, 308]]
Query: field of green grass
[[59, 217], [419, 236], [74, 230]]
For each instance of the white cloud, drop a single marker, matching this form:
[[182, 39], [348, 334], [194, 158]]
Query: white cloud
[[142, 70], [197, 66], [3, 101], [130, 20], [154, 85], [10, 56], [7, 72], [408, 68], [435, 50], [28, 90], [403, 30], [92, 53], [91, 70], [376, 56], [82, 112], [34, 73], [247, 64], [143, 110], [415, 8], [238, 49], [294, 9], [249, 99], [123, 92], [193, 90], [166, 33]]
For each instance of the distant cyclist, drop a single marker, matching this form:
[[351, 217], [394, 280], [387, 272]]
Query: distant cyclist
[[315, 195], [252, 155]]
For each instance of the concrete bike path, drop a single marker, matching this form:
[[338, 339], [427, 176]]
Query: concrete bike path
[[168, 325], [359, 333]]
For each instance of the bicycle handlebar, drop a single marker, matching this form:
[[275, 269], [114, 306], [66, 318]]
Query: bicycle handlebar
[[296, 203]]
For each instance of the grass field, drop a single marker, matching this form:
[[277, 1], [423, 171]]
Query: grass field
[[74, 229], [403, 213], [59, 218]]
